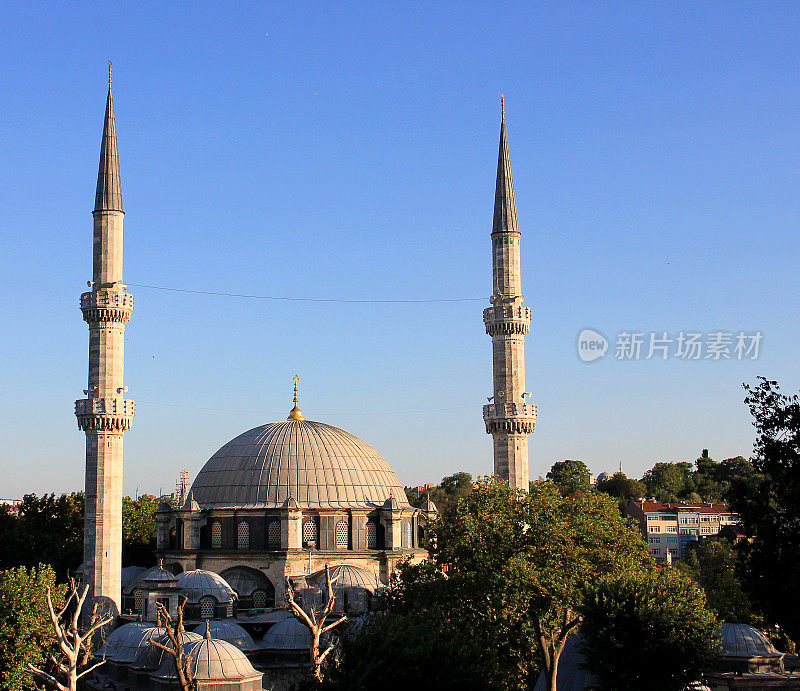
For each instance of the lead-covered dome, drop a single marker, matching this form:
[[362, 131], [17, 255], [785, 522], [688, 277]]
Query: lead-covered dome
[[316, 464]]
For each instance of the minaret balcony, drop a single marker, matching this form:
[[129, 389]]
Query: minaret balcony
[[107, 305], [105, 414], [507, 320], [511, 418]]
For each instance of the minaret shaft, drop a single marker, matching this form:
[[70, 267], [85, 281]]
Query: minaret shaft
[[509, 418], [105, 415]]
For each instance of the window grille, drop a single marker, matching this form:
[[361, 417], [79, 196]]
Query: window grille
[[408, 534], [310, 532], [207, 607], [259, 599], [372, 535], [243, 533], [229, 609], [274, 533], [138, 596], [342, 534], [216, 535]]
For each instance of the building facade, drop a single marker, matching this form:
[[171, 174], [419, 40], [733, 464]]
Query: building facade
[[105, 414], [508, 417], [668, 528]]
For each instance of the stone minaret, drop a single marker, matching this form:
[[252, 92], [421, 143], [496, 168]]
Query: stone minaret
[[105, 415], [509, 418]]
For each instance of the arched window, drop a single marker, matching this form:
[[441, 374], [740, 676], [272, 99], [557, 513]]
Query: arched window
[[342, 534], [310, 532], [372, 535], [243, 534], [216, 535], [207, 607], [274, 533], [138, 596], [259, 599]]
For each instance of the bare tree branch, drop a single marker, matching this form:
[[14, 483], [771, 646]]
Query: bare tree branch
[[46, 677]]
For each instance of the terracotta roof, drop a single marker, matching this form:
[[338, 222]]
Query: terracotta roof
[[672, 507]]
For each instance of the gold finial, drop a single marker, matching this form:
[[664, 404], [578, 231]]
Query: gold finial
[[296, 413], [502, 106], [109, 74]]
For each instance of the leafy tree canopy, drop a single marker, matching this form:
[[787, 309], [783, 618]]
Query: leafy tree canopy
[[647, 629], [669, 482], [570, 476], [26, 634], [517, 564], [623, 488], [445, 495]]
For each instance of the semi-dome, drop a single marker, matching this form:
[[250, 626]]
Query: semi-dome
[[316, 464], [195, 584], [747, 642], [230, 632], [288, 634], [347, 576], [151, 657], [124, 643], [210, 659]]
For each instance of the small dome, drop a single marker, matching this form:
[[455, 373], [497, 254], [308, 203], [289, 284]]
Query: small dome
[[230, 632], [288, 634], [131, 575], [602, 477], [318, 465], [745, 641], [346, 576], [430, 507], [196, 584], [124, 644], [157, 577], [210, 659], [150, 657]]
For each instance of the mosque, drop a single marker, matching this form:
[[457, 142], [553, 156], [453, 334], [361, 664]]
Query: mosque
[[276, 504]]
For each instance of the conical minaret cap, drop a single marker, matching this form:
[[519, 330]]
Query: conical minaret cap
[[109, 184], [505, 205]]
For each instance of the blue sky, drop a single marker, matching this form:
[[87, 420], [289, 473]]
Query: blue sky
[[349, 151]]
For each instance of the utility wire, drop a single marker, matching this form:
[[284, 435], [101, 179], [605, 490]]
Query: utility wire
[[262, 412], [295, 299]]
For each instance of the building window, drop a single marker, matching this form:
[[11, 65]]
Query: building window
[[259, 599], [654, 540], [672, 529], [342, 534], [655, 550], [372, 535], [407, 531], [207, 607], [243, 534], [655, 529], [274, 533], [672, 539], [138, 596], [216, 535], [229, 609], [310, 532]]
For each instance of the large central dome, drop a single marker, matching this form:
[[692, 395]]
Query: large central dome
[[317, 464]]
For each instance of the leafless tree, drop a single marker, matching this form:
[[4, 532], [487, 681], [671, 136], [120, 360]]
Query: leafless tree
[[315, 621], [71, 642], [175, 631]]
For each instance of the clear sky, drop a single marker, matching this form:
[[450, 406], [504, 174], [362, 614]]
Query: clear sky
[[348, 150]]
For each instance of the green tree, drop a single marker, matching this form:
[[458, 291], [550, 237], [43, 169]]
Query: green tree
[[445, 495], [570, 476], [713, 565], [26, 634], [139, 530], [517, 564], [770, 504], [669, 481], [647, 629], [622, 487], [47, 529]]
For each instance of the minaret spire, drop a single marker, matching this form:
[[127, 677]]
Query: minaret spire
[[109, 184], [295, 413], [105, 415], [509, 419]]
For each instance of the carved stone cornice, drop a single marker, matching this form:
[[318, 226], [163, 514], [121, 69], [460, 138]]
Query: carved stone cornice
[[507, 320], [510, 418], [106, 305], [105, 414]]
